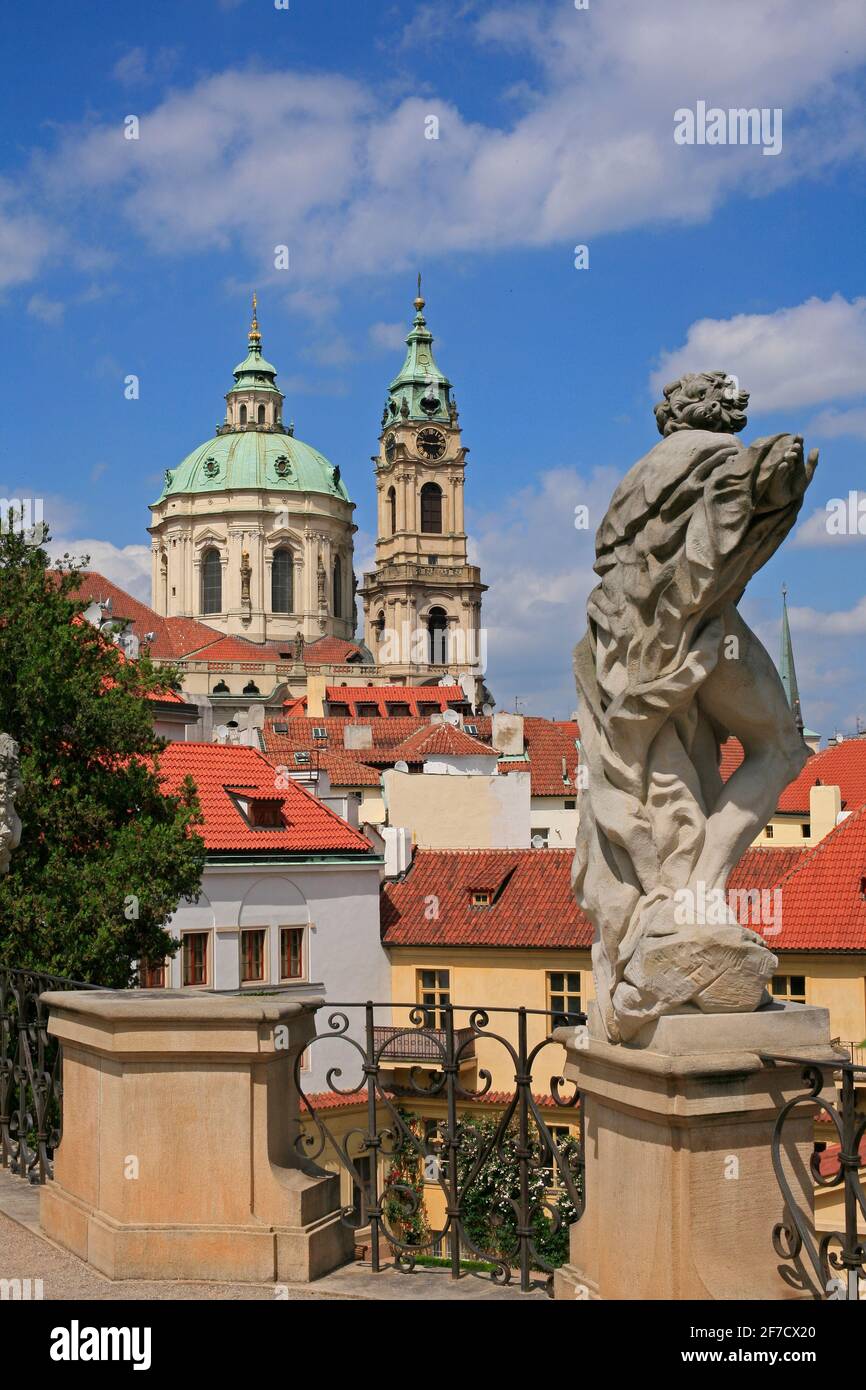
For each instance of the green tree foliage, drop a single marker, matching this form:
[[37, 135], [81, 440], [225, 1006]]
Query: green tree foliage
[[489, 1217], [403, 1195], [104, 857]]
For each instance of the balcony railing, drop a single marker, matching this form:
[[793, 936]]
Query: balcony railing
[[409, 1044], [856, 1051]]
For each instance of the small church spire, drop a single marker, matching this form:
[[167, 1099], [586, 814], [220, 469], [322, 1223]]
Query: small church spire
[[787, 670], [255, 337], [419, 302]]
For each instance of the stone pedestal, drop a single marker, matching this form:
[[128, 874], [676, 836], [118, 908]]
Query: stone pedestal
[[178, 1159], [681, 1196]]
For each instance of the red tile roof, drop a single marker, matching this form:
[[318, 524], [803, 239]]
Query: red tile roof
[[173, 637], [730, 757], [330, 651], [433, 740], [843, 766], [336, 1100], [823, 897], [548, 742], [310, 827], [763, 868], [440, 696], [532, 903]]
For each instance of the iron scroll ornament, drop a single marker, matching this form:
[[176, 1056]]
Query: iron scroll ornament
[[461, 1153], [838, 1273]]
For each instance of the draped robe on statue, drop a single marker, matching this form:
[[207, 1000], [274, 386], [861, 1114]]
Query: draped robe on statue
[[666, 671]]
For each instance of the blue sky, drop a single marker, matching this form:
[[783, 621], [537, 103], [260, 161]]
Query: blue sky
[[306, 127]]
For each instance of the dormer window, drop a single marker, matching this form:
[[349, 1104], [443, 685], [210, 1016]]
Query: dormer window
[[480, 897], [265, 815], [302, 758]]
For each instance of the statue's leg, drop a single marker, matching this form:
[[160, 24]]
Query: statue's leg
[[745, 695]]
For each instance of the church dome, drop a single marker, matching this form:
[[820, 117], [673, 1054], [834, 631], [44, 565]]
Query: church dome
[[240, 461], [254, 449]]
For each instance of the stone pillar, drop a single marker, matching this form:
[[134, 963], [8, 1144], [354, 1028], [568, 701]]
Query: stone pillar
[[178, 1158], [681, 1196]]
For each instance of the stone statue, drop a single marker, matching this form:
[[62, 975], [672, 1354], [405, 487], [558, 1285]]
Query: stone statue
[[666, 671], [246, 575], [299, 645], [10, 786]]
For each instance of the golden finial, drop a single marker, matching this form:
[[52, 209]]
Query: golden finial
[[255, 335], [419, 302]]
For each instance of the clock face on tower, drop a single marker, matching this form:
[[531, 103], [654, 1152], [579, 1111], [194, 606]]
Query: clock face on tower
[[430, 443], [390, 448]]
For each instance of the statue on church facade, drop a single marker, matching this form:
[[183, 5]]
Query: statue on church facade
[[10, 786], [666, 672]]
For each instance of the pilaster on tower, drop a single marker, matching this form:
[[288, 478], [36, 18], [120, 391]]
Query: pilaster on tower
[[422, 601]]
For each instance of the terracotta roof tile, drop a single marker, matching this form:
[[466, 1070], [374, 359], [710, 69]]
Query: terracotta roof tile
[[532, 902], [173, 637], [310, 826], [433, 740], [330, 651], [823, 897], [440, 696], [843, 766]]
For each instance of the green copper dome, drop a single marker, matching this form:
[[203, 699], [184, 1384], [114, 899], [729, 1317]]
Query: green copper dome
[[246, 454], [254, 459]]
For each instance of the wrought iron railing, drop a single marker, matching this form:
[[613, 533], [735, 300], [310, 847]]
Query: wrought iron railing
[[31, 1085], [840, 1272], [856, 1051], [456, 1153], [421, 1045]]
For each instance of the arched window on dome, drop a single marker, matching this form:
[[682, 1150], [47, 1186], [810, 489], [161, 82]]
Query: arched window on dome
[[437, 637], [392, 511], [431, 509], [338, 588], [261, 415], [281, 580], [211, 582], [242, 415]]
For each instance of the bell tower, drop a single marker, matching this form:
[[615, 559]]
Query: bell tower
[[422, 602]]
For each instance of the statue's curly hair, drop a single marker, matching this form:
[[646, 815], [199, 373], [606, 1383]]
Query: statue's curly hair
[[702, 401]]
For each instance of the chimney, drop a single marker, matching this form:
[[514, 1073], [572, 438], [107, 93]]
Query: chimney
[[825, 806], [507, 735], [357, 736]]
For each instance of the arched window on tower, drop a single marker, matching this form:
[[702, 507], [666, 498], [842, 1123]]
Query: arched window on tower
[[437, 635], [242, 415], [431, 509], [281, 580], [392, 511], [211, 582], [338, 588], [261, 415]]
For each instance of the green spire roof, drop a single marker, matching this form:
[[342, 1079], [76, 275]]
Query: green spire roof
[[255, 372], [419, 391], [787, 670]]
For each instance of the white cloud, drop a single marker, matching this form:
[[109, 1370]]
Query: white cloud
[[799, 356], [322, 164], [388, 337], [834, 424], [539, 569], [127, 565], [46, 310], [25, 242]]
